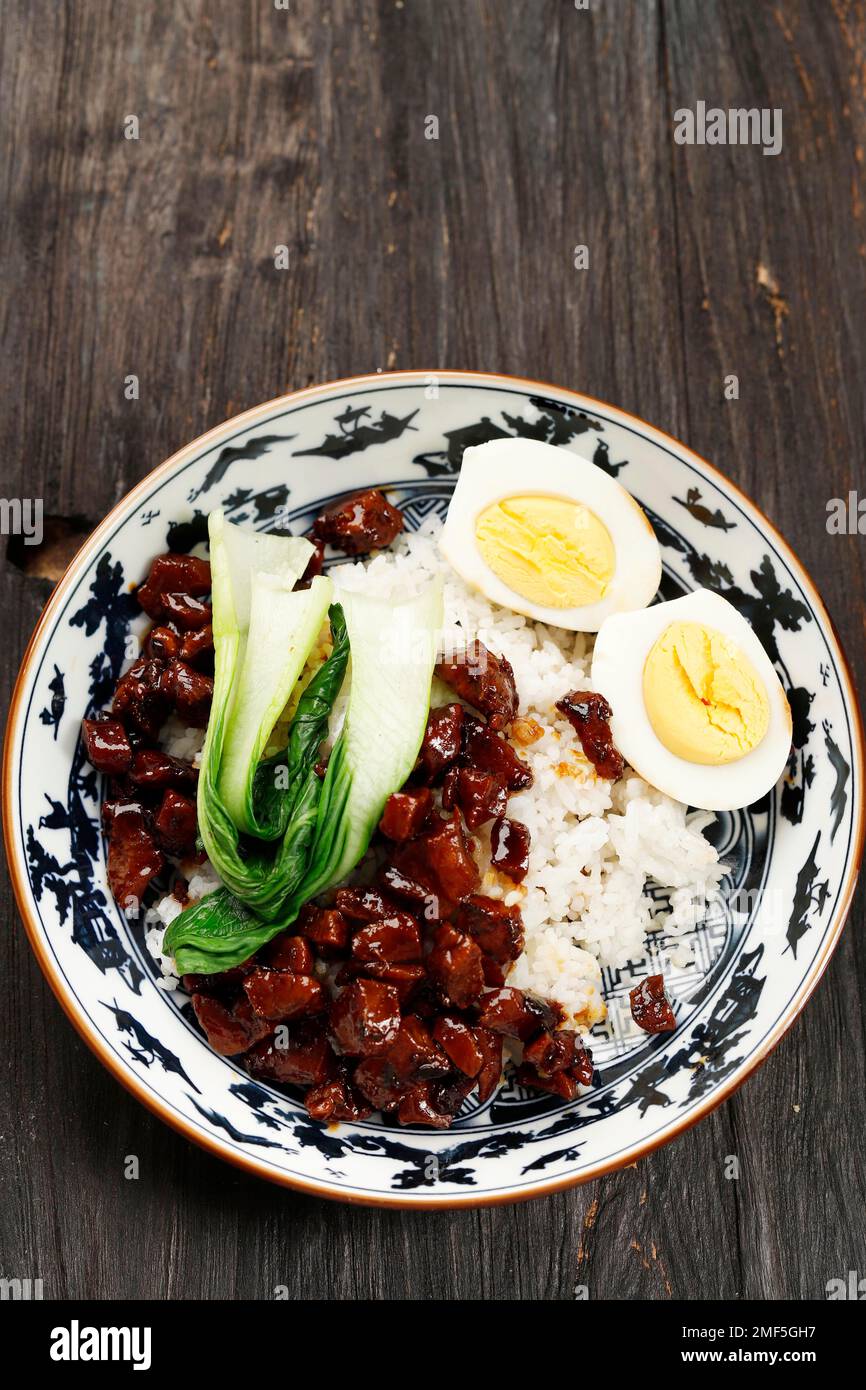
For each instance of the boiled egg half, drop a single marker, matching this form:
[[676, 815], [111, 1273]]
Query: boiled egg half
[[698, 710], [547, 533]]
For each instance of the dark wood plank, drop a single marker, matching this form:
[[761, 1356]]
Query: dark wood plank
[[258, 128]]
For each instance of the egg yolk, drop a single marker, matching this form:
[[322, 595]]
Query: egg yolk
[[550, 550], [705, 700]]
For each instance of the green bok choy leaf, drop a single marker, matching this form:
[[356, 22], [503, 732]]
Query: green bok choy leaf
[[263, 632], [329, 823], [393, 655]]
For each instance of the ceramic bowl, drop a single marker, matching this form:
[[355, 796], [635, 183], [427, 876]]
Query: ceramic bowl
[[792, 858]]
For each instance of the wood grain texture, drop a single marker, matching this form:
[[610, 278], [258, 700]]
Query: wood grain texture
[[262, 127]]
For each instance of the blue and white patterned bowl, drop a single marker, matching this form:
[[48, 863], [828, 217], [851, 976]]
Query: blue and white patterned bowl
[[793, 856]]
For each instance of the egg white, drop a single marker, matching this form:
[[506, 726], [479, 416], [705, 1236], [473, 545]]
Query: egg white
[[621, 651], [527, 467]]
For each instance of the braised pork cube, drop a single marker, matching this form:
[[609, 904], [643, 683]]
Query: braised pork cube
[[133, 855], [173, 574], [299, 1055], [141, 699], [405, 976], [364, 904], [583, 1069], [426, 997], [151, 767], [441, 744], [190, 691], [367, 521], [419, 892], [509, 848], [288, 953], [365, 1018], [326, 927], [650, 1007], [458, 1041], [163, 643], [553, 1052], [449, 788], [455, 965], [194, 644], [378, 1083], [405, 813], [589, 714], [485, 750], [417, 1107], [336, 1100], [225, 984], [396, 938], [279, 995], [494, 974], [479, 795], [175, 822], [185, 611], [561, 1083], [108, 747], [498, 929], [448, 854], [230, 1028], [483, 680], [490, 1075], [414, 1055], [517, 1014], [435, 870], [448, 1096]]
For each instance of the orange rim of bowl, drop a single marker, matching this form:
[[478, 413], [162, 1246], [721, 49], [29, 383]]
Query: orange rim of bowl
[[213, 1145]]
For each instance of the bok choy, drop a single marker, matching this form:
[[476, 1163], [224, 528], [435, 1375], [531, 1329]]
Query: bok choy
[[263, 632], [393, 655], [276, 841]]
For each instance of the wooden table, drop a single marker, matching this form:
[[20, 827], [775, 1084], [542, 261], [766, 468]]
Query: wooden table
[[153, 258]]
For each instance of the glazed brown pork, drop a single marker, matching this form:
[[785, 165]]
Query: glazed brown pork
[[480, 795], [487, 751], [392, 997], [359, 524], [107, 744], [304, 1058], [509, 848], [172, 575], [483, 680], [150, 812], [281, 994], [589, 715], [406, 813], [497, 929], [442, 743], [141, 700], [175, 822], [231, 1028], [134, 857], [650, 1007], [150, 767]]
